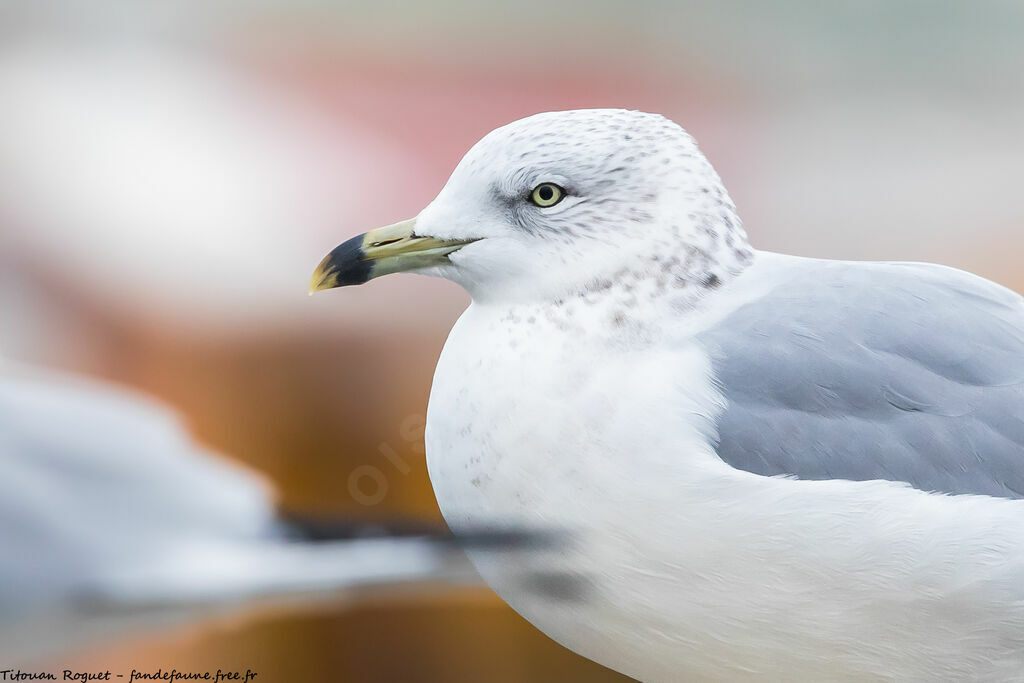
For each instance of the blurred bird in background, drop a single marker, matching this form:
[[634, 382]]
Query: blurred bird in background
[[112, 520]]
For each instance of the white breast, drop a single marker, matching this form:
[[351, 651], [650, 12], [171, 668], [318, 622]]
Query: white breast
[[688, 568], [522, 431]]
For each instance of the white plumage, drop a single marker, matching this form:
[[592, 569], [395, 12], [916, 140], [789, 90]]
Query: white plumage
[[695, 569], [773, 468]]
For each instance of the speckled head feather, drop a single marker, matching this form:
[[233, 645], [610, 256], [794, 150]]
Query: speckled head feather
[[641, 201]]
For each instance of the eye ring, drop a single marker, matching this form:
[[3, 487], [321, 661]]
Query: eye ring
[[546, 195]]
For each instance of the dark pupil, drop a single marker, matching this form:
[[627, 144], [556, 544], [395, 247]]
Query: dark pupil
[[545, 193]]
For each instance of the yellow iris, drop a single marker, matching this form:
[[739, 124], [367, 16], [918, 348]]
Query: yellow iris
[[546, 194]]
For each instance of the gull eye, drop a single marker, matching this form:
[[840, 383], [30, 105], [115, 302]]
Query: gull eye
[[546, 194]]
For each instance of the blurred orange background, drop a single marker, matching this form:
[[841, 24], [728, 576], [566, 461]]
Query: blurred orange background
[[170, 173]]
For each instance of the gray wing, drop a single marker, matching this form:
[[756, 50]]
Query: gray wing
[[904, 372]]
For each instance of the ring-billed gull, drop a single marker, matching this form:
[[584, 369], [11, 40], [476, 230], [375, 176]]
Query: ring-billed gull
[[777, 467]]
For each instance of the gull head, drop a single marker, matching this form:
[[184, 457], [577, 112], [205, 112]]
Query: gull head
[[562, 204]]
